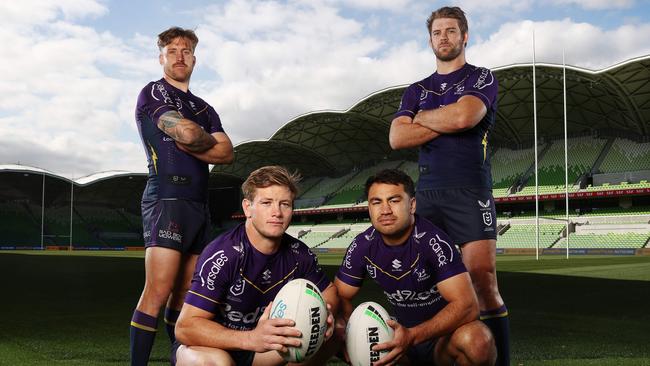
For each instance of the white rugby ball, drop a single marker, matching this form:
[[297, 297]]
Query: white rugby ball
[[367, 327], [301, 301]]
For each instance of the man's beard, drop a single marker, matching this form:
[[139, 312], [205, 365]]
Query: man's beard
[[451, 55]]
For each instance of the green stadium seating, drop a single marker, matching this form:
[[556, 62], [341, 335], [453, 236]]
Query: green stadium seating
[[625, 156]]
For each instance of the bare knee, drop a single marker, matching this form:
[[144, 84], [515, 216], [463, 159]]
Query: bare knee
[[155, 295], [474, 340], [198, 356]]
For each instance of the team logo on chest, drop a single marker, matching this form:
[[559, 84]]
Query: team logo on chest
[[421, 274], [443, 86]]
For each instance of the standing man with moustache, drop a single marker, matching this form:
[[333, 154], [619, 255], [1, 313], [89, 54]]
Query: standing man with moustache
[[449, 116], [182, 135]]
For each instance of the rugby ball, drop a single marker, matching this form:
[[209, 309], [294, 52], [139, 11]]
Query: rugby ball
[[367, 327], [301, 301]]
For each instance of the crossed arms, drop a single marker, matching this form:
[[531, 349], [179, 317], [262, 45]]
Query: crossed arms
[[407, 132], [213, 148]]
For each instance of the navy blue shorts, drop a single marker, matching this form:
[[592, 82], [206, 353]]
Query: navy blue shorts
[[422, 353], [465, 214], [241, 358], [181, 225]]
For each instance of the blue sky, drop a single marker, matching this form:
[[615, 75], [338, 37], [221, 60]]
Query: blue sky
[[73, 68]]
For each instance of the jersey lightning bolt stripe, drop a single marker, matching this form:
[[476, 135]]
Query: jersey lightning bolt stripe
[[236, 282], [172, 172], [408, 273], [455, 160]]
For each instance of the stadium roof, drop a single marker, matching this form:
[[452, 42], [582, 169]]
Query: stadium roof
[[615, 100]]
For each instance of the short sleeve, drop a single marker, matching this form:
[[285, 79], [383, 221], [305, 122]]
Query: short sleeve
[[481, 83], [352, 270], [154, 100], [410, 104], [215, 121], [211, 280]]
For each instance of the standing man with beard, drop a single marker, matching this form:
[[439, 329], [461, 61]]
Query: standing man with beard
[[449, 116], [181, 135]]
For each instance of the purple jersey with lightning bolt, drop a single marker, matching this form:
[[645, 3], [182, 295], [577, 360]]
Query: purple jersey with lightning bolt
[[172, 172], [454, 160], [236, 282], [408, 273]]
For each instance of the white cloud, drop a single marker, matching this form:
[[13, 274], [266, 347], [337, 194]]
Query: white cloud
[[307, 58], [61, 109], [597, 4], [392, 5], [585, 45]]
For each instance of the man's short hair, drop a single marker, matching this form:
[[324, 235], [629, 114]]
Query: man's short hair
[[267, 176], [453, 12], [170, 34], [392, 176]]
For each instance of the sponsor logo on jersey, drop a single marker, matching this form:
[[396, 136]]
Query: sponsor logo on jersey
[[214, 264], [459, 89], [407, 295], [237, 316], [417, 236], [163, 93], [147, 234], [370, 236], [266, 275], [423, 94], [486, 213], [439, 247], [443, 86], [239, 248], [485, 79], [167, 139], [347, 261], [397, 265]]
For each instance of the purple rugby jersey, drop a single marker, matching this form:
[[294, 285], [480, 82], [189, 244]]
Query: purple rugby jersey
[[408, 273], [235, 282], [172, 172], [457, 160]]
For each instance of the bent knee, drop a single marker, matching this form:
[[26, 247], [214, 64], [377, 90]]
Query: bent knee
[[476, 342], [200, 356]]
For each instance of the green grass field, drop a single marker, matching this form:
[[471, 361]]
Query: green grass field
[[61, 308]]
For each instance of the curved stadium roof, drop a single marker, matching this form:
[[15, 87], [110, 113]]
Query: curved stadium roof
[[615, 99]]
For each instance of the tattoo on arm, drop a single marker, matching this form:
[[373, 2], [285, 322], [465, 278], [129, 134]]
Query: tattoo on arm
[[185, 132]]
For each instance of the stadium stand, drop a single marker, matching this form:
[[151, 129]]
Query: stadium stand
[[523, 236], [627, 155]]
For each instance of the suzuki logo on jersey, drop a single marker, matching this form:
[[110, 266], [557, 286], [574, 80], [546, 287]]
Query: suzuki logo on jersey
[[397, 265], [215, 263], [438, 245], [266, 275], [237, 288]]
